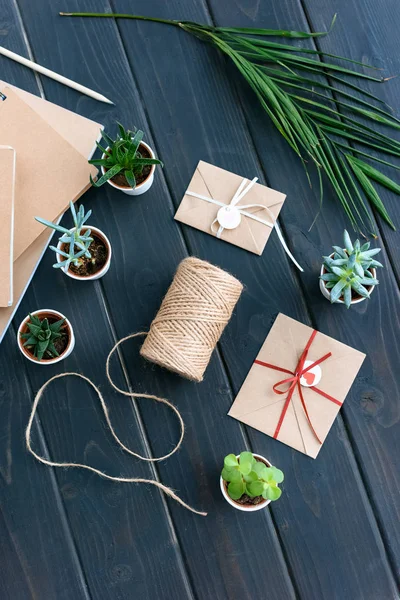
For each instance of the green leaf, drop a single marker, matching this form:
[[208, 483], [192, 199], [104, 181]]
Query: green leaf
[[277, 475], [370, 192], [57, 325], [246, 462], [377, 176], [329, 277], [52, 350], [236, 490], [360, 289], [34, 329], [108, 175], [348, 244], [336, 291], [347, 296], [230, 461], [231, 475], [255, 488], [130, 178], [260, 469], [351, 262], [273, 493], [107, 138], [30, 341], [252, 476]]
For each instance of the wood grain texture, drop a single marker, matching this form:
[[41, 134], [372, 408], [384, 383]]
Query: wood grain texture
[[327, 510], [31, 511], [104, 519], [322, 539], [371, 416]]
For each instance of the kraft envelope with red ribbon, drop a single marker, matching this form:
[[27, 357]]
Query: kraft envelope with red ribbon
[[297, 385]]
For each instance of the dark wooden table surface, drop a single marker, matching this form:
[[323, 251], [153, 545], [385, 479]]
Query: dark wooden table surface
[[69, 535]]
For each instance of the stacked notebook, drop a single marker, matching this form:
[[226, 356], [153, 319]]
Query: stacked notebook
[[44, 151]]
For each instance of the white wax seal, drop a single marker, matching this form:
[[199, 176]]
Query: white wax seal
[[311, 377], [229, 217]]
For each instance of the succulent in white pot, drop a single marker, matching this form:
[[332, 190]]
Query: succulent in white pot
[[127, 164], [348, 275], [46, 337], [249, 482], [83, 252]]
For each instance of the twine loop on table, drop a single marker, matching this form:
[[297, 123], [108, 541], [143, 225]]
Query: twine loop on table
[[192, 317], [50, 463]]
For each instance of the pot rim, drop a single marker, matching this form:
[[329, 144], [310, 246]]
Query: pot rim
[[46, 361], [137, 187], [324, 289], [244, 507], [104, 268]]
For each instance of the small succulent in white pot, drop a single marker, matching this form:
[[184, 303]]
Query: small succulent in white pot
[[127, 164], [249, 482], [82, 252], [46, 337], [348, 275]]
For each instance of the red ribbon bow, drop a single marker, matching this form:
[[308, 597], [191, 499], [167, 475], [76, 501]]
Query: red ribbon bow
[[294, 382]]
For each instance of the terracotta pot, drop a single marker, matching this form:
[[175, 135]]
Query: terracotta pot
[[99, 273], [47, 312], [327, 293], [141, 188], [244, 507]]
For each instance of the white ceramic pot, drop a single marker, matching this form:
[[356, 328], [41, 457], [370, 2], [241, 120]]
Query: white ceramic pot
[[142, 187], [99, 273], [327, 293], [46, 361], [242, 507]]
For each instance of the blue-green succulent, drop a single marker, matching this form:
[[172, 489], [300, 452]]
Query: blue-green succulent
[[349, 271]]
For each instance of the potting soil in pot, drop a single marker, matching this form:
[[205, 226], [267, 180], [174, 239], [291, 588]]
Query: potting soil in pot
[[90, 266]]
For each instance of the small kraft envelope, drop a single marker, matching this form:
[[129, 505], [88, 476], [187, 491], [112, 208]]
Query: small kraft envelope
[[297, 384], [232, 208]]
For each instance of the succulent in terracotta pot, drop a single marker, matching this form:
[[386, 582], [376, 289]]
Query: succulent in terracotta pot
[[127, 164], [83, 252], [249, 482], [45, 337]]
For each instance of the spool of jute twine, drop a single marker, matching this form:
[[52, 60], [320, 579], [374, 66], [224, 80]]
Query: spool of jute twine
[[52, 463], [191, 319]]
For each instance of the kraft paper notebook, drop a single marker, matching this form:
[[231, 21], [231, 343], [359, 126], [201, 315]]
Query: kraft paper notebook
[[81, 133], [7, 186], [50, 172]]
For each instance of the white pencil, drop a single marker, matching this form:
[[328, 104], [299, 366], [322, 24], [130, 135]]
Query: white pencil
[[53, 75]]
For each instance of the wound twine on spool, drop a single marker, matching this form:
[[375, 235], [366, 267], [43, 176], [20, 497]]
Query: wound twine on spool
[[52, 463], [191, 319]]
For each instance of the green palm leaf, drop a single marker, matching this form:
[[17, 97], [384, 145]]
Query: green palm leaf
[[317, 130]]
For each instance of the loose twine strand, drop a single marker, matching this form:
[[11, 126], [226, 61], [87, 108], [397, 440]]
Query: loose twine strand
[[168, 491], [192, 317]]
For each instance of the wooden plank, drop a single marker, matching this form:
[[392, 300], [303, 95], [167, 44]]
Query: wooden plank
[[195, 73], [373, 40], [31, 513], [103, 517], [195, 471], [374, 431]]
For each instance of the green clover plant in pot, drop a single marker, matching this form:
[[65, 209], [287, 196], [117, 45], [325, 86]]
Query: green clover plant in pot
[[46, 337], [249, 482], [127, 164], [348, 275], [83, 252]]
